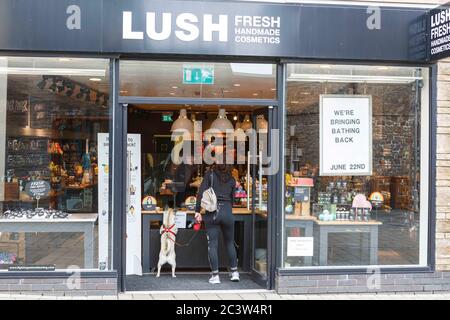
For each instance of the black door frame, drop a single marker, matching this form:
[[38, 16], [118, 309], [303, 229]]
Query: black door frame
[[118, 150]]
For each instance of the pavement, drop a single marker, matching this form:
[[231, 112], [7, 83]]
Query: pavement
[[233, 295]]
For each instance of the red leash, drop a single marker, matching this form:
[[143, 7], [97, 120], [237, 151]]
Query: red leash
[[169, 230]]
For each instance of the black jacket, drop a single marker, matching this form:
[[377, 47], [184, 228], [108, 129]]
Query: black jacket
[[224, 191]]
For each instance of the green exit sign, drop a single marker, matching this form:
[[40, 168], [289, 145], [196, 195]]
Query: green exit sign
[[167, 118], [198, 75]]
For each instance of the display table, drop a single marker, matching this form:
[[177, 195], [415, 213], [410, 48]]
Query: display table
[[303, 222], [74, 223], [327, 227], [150, 251]]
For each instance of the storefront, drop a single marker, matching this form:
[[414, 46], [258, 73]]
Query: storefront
[[333, 125]]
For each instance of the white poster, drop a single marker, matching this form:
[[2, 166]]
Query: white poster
[[103, 193], [3, 112], [133, 247], [300, 246], [180, 219], [345, 135]]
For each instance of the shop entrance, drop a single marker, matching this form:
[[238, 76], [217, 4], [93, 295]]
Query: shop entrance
[[162, 185], [160, 98]]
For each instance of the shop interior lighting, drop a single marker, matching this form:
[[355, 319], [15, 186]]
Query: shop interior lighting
[[53, 71], [351, 78], [183, 123], [222, 123], [247, 123], [252, 68]]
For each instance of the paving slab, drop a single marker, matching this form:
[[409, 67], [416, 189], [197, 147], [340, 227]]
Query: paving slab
[[251, 296], [229, 296], [207, 296], [163, 296]]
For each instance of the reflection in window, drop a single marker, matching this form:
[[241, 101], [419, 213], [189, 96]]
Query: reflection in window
[[197, 80]]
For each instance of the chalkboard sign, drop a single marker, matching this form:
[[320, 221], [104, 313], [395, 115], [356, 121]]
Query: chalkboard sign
[[301, 194], [37, 189]]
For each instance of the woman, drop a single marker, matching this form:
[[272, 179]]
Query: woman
[[224, 187]]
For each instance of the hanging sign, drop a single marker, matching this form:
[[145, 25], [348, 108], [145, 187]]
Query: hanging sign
[[37, 189], [345, 135]]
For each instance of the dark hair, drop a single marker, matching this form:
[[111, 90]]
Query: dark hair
[[223, 171]]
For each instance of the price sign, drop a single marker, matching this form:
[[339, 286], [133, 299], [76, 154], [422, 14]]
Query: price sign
[[38, 189]]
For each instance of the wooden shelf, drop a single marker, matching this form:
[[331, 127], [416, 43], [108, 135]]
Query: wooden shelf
[[50, 134]]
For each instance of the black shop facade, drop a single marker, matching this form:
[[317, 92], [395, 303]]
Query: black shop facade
[[334, 104]]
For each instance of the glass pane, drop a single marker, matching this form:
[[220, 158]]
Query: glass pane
[[347, 219], [261, 213], [197, 80], [52, 113]]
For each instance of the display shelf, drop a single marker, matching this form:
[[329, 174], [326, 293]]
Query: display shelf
[[349, 223], [296, 217], [81, 187], [51, 134], [235, 211]]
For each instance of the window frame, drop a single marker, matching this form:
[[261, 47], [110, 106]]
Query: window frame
[[112, 272], [427, 185]]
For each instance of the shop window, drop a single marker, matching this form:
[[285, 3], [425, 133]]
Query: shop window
[[197, 80], [54, 126], [355, 160]]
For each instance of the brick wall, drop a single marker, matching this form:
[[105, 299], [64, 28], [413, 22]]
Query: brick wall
[[443, 168], [59, 286], [363, 283]]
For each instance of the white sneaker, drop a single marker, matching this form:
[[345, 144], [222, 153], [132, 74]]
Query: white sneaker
[[235, 276], [214, 279]]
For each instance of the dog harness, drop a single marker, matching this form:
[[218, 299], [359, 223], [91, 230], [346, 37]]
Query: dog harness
[[169, 230]]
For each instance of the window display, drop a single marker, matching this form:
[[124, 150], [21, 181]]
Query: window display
[[353, 166], [52, 111]]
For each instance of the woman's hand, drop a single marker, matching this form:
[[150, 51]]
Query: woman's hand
[[198, 217]]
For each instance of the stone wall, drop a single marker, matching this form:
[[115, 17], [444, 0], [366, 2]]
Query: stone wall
[[443, 168]]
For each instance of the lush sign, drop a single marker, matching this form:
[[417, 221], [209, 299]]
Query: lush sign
[[439, 32]]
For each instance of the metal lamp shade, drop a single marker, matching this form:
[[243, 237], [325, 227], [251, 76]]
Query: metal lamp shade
[[183, 124], [246, 124], [222, 123]]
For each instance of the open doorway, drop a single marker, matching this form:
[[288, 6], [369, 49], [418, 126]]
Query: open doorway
[[165, 185]]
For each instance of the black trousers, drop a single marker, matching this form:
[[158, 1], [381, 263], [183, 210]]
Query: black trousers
[[222, 220]]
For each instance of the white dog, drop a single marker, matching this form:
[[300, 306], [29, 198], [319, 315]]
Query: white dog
[[168, 233]]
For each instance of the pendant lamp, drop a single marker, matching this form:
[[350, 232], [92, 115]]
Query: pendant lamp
[[246, 124], [222, 123], [238, 123], [261, 123], [183, 123]]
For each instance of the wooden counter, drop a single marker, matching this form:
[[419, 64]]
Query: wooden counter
[[235, 211]]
